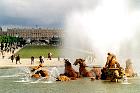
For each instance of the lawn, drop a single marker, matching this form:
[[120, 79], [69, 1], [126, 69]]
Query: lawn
[[38, 50]]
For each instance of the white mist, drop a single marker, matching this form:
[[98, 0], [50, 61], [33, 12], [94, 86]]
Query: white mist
[[101, 29]]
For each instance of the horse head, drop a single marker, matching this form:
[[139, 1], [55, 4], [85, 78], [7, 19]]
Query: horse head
[[80, 61], [67, 62], [82, 70], [69, 71]]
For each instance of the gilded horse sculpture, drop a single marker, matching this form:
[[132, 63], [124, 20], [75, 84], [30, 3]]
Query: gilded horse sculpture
[[38, 72], [69, 71], [82, 69]]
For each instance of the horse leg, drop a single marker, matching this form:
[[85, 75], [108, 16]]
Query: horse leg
[[78, 74]]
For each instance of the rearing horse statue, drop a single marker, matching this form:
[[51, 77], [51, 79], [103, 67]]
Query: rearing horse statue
[[69, 71], [82, 69]]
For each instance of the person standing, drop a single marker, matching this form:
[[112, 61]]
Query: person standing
[[13, 50], [18, 59], [3, 54], [40, 59], [49, 56], [58, 58], [32, 60], [12, 58]]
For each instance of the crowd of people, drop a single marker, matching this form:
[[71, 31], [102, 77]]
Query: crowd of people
[[8, 50], [41, 58], [17, 58]]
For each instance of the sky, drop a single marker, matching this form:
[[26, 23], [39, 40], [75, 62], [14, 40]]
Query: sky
[[39, 12], [46, 13]]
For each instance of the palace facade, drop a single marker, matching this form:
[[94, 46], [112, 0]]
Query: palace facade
[[34, 33]]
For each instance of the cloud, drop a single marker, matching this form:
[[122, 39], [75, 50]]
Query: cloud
[[41, 11]]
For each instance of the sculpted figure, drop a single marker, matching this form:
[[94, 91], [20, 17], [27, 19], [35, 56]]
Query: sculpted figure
[[69, 71], [82, 69]]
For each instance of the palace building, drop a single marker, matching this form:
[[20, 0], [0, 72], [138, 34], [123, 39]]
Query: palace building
[[33, 33]]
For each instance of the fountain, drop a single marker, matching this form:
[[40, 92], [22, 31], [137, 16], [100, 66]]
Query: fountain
[[89, 33], [25, 74], [53, 74], [125, 80], [8, 73], [99, 30]]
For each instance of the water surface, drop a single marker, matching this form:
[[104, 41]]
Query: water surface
[[9, 84]]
